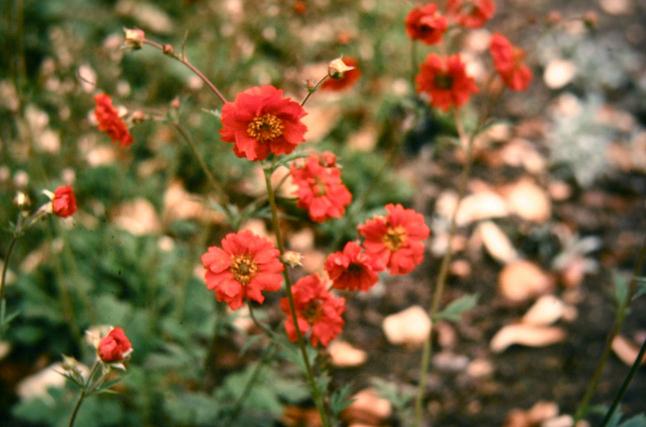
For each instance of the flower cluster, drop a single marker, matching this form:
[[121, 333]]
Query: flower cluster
[[444, 78], [320, 189]]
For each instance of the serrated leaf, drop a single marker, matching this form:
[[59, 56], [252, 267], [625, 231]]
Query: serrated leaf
[[453, 312], [641, 287], [341, 399]]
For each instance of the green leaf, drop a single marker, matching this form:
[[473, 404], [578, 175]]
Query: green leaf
[[636, 421], [621, 289], [341, 399], [456, 308], [641, 287]]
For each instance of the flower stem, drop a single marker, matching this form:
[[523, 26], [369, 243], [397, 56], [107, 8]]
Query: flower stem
[[467, 143], [310, 91], [316, 393], [79, 401], [168, 51], [5, 266], [83, 394], [624, 386], [582, 408]]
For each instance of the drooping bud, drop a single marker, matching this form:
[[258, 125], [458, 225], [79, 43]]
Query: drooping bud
[[337, 68], [21, 200], [591, 19], [133, 38]]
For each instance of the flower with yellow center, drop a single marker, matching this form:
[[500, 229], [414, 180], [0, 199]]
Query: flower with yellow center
[[243, 268], [265, 128], [394, 237]]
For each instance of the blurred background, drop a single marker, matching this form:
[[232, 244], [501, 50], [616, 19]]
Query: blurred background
[[554, 214]]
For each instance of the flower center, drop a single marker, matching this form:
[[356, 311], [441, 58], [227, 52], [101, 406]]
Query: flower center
[[265, 128], [313, 311], [394, 237], [319, 187], [243, 268], [443, 81]]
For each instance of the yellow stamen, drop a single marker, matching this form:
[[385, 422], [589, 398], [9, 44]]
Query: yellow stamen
[[243, 268], [394, 237], [265, 128]]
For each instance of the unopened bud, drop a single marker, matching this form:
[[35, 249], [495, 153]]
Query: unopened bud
[[134, 38], [138, 116], [175, 103], [293, 259], [327, 159], [168, 49], [310, 84], [337, 68], [21, 200], [591, 19]]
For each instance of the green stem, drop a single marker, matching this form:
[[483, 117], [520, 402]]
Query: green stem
[[582, 408], [467, 141], [310, 91], [624, 386], [200, 160], [82, 394], [316, 394], [184, 60], [5, 266]]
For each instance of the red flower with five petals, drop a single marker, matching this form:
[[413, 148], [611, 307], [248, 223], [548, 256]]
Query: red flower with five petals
[[109, 121], [446, 81], [351, 269], [317, 311], [114, 347], [471, 13], [261, 121], [64, 201], [509, 62], [320, 189], [396, 241], [425, 23], [244, 267]]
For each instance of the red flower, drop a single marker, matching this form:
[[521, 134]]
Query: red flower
[[446, 81], [261, 122], [114, 347], [508, 60], [425, 23], [64, 202], [396, 241], [242, 268], [343, 80], [317, 311], [320, 189], [109, 120], [351, 269], [471, 13]]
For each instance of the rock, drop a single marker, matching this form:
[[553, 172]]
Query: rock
[[522, 280], [344, 355], [528, 200], [408, 327], [527, 335], [368, 408], [558, 73], [138, 217], [496, 242], [547, 310], [626, 350]]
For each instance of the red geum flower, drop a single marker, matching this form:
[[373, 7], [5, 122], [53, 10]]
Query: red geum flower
[[425, 23], [320, 189], [64, 202], [351, 269], [344, 80], [446, 81], [261, 121], [509, 62], [471, 13], [114, 347], [317, 311], [109, 120], [242, 268], [396, 241]]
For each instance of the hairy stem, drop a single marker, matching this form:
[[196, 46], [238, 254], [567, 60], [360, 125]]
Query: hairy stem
[[582, 408], [168, 51], [467, 143], [316, 393], [310, 91]]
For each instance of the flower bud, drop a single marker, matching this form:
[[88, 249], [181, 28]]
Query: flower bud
[[138, 116], [114, 347], [168, 49], [337, 68], [21, 200], [175, 103], [64, 202], [134, 38], [591, 19], [554, 17], [293, 259]]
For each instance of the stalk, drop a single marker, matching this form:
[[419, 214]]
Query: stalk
[[316, 393]]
